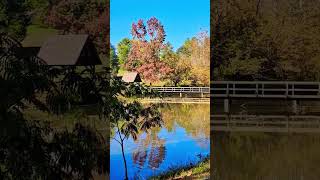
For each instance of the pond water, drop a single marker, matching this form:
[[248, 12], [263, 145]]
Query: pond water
[[266, 155], [183, 139]]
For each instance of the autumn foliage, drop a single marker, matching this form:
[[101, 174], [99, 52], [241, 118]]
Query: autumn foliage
[[156, 61], [144, 56], [276, 40], [81, 17]]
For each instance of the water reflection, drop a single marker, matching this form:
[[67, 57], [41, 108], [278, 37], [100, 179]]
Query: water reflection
[[266, 140], [243, 155], [155, 156], [184, 135]]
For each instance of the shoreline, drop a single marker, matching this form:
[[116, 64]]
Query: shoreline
[[200, 170]]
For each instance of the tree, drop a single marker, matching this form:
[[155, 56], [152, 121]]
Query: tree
[[82, 16], [49, 153], [14, 18], [195, 56], [255, 40], [181, 68], [114, 60], [32, 149], [233, 34], [185, 48], [37, 10], [144, 56], [132, 119], [298, 52], [123, 50]]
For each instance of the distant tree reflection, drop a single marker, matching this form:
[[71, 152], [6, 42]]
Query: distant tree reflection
[[150, 148]]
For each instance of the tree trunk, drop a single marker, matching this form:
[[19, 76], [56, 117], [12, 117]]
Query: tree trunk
[[175, 83], [125, 162]]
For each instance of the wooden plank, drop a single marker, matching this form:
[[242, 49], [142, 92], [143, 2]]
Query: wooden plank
[[265, 129]]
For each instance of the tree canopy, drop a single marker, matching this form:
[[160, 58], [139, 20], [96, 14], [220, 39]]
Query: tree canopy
[[123, 48], [144, 56], [83, 16], [14, 18], [31, 148], [265, 40], [153, 57]]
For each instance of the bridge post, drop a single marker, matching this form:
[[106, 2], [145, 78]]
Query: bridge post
[[226, 105], [295, 106], [180, 95]]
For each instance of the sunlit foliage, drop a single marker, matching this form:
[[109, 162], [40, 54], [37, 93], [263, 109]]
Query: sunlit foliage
[[144, 56]]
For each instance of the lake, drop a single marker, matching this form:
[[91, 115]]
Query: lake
[[183, 139], [266, 155]]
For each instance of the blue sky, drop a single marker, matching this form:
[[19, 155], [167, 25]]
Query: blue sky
[[181, 19]]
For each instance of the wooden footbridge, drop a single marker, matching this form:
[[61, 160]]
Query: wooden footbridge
[[195, 95], [288, 90], [265, 89], [252, 89], [182, 90], [176, 100], [266, 123], [277, 90]]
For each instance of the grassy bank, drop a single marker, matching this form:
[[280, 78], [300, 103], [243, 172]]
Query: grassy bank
[[191, 171], [37, 34]]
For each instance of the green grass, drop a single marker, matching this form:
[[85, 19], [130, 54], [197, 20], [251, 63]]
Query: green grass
[[122, 71], [194, 171], [37, 34], [86, 116]]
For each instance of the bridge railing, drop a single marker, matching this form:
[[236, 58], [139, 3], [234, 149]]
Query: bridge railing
[[267, 123], [265, 89], [252, 89], [181, 89]]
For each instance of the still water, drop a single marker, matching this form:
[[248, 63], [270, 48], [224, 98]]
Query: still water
[[266, 155], [183, 139]]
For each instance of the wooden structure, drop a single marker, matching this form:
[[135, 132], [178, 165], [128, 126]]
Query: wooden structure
[[69, 50], [182, 90], [266, 123], [130, 77], [64, 50], [289, 90], [176, 100], [265, 89]]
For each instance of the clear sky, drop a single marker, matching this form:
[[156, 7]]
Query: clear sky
[[181, 19]]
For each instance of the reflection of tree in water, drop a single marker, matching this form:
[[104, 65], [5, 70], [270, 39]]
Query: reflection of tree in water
[[139, 157], [152, 148], [194, 118], [157, 154], [265, 156], [203, 142]]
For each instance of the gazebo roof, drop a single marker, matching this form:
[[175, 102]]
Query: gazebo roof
[[64, 50], [131, 77]]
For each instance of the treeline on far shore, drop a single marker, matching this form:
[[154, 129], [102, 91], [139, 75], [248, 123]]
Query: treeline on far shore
[[265, 40]]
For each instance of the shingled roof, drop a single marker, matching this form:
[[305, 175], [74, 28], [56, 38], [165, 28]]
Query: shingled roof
[[131, 77], [63, 50]]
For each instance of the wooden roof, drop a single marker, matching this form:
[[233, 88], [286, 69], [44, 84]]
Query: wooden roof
[[131, 77], [63, 50]]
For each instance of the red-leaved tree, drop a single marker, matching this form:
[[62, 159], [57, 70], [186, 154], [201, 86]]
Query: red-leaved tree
[[144, 56], [82, 17]]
